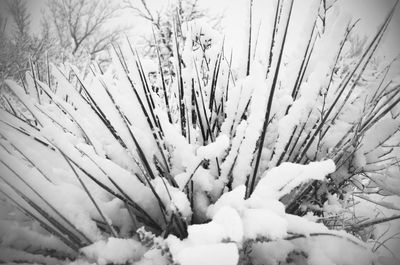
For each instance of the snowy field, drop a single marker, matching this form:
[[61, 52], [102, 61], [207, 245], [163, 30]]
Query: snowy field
[[201, 132]]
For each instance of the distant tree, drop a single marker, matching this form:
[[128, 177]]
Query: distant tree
[[19, 12], [162, 21], [18, 44], [82, 27]]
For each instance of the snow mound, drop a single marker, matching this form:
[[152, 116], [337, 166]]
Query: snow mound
[[114, 250]]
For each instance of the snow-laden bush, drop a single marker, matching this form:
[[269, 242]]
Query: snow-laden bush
[[258, 164]]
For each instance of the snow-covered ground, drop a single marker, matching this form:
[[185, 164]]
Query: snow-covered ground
[[288, 153]]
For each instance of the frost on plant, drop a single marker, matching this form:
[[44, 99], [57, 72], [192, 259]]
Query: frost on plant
[[287, 153]]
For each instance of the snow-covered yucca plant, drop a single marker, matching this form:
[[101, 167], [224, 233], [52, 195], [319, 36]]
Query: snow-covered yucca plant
[[215, 164]]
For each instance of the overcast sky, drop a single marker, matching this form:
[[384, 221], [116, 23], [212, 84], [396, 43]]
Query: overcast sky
[[371, 13]]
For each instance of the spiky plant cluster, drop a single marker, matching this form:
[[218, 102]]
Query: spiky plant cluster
[[117, 161]]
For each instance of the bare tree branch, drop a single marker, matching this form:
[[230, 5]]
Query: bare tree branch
[[81, 25]]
